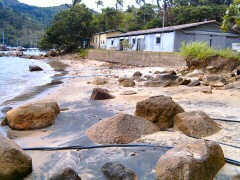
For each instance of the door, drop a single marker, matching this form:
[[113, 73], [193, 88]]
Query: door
[[140, 44]]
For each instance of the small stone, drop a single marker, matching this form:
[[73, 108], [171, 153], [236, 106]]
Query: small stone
[[194, 83], [116, 171], [65, 174]]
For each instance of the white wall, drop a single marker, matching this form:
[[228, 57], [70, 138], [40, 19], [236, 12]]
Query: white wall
[[166, 44]]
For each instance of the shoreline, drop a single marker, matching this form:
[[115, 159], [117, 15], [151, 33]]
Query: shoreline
[[70, 126]]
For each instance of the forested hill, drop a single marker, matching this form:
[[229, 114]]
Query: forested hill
[[23, 23]]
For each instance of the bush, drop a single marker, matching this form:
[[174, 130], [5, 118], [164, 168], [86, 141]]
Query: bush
[[83, 53], [202, 51]]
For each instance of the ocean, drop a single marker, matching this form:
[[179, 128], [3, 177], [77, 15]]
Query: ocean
[[16, 79]]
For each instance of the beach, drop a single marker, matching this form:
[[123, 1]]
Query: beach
[[73, 94]]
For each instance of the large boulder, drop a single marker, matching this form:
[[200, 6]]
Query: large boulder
[[116, 171], [126, 82], [120, 129], [65, 174], [14, 162], [195, 123], [197, 159], [101, 94], [159, 109], [34, 115]]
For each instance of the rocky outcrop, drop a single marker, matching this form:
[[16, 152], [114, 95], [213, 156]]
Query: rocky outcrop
[[215, 64], [19, 53], [166, 77], [3, 47], [120, 129], [101, 94], [34, 115], [153, 84], [14, 162], [116, 171], [181, 81], [126, 82], [35, 68], [65, 174], [194, 83], [51, 53], [215, 80], [195, 123], [160, 110], [2, 54], [198, 159]]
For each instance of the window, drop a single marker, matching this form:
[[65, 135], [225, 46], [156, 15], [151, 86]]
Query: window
[[103, 42], [134, 41], [112, 42], [158, 38]]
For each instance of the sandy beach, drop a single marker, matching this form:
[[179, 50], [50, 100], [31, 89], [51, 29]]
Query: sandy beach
[[82, 113]]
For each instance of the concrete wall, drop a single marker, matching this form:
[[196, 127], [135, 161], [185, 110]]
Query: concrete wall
[[138, 58]]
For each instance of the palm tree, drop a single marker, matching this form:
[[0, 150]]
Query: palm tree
[[74, 2], [139, 2], [99, 3], [119, 3]]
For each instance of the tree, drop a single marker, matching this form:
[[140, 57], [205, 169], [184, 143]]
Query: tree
[[232, 17], [112, 18], [119, 4], [68, 30], [99, 3]]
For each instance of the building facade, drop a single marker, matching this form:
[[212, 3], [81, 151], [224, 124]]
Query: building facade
[[170, 39], [99, 40]]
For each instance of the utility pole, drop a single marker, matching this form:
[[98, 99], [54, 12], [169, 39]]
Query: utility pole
[[3, 37]]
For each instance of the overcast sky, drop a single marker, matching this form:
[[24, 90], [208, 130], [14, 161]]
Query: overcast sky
[[90, 3]]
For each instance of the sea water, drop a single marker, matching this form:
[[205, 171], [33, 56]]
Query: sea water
[[15, 77]]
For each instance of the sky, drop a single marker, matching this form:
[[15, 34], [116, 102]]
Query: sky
[[89, 3]]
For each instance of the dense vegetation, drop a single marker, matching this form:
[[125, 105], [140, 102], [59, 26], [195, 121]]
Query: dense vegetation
[[69, 29], [23, 23], [144, 16], [202, 51], [27, 23]]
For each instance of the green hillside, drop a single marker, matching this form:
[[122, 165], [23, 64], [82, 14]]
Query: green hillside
[[24, 24]]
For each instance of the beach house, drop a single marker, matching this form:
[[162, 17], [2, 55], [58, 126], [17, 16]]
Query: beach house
[[99, 40], [169, 39]]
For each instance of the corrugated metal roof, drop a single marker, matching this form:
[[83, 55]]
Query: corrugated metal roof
[[104, 32], [163, 29]]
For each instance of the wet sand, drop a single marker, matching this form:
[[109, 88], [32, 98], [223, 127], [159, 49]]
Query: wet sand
[[70, 126]]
